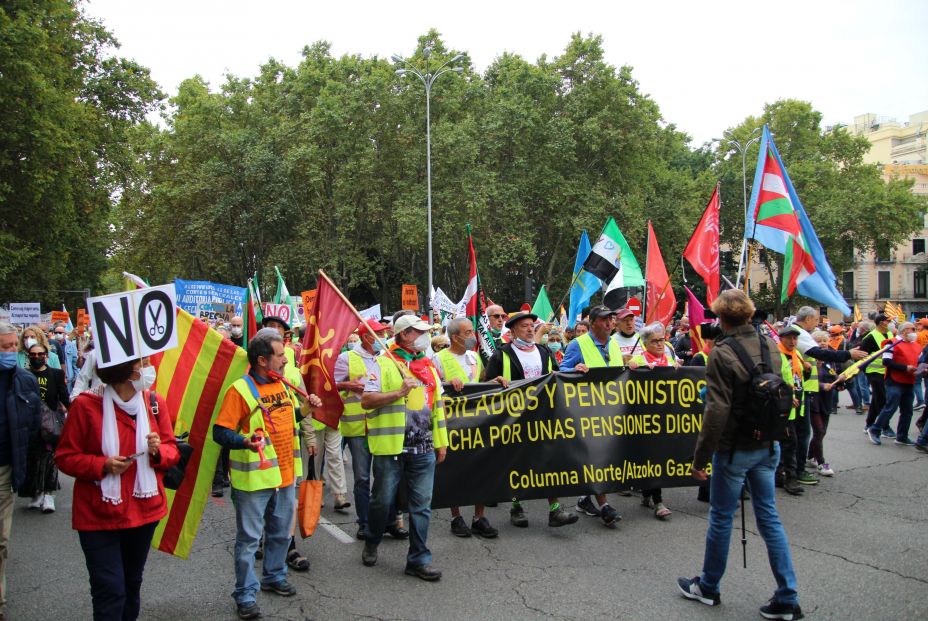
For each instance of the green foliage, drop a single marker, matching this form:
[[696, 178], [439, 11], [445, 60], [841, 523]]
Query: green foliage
[[66, 108]]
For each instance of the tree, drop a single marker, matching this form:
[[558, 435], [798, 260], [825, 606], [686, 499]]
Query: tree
[[66, 108]]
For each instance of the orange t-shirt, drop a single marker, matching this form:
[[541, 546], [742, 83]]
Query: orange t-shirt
[[234, 414]]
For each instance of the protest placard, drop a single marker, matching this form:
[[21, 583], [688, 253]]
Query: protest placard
[[133, 324]]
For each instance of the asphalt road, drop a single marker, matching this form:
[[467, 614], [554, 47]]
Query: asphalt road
[[858, 544]]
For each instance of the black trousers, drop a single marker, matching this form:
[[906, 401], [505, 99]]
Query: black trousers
[[877, 397], [115, 562]]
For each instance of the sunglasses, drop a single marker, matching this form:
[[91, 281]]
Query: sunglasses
[[499, 316], [38, 356]]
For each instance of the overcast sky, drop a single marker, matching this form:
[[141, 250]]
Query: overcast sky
[[707, 64]]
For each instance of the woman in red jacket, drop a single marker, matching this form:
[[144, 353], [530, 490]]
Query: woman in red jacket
[[117, 449]]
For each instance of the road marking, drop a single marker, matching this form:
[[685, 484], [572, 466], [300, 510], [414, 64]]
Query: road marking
[[335, 531]]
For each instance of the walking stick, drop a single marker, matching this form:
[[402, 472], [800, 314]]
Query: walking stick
[[744, 540]]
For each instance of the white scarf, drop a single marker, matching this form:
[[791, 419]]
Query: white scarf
[[146, 483]]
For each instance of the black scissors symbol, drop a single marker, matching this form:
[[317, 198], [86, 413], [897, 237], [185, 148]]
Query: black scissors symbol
[[157, 328]]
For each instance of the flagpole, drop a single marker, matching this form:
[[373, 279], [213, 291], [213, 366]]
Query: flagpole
[[572, 283], [363, 322]]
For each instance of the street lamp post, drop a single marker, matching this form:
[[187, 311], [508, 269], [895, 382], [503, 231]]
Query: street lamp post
[[743, 150], [428, 79]]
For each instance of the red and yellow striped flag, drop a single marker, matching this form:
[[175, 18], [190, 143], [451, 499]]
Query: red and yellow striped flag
[[193, 378]]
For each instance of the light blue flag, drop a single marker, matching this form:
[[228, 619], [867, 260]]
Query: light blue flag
[[585, 285]]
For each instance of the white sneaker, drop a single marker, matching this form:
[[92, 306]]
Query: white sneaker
[[48, 504], [36, 501], [825, 470], [811, 463]]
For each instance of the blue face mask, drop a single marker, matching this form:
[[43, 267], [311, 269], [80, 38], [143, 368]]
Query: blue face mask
[[377, 346], [7, 360], [555, 346]]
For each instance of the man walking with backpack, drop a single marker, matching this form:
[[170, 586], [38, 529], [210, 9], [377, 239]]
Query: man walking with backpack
[[743, 445]]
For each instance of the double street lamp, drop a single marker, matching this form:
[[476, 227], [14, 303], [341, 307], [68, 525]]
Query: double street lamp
[[427, 78], [743, 150]]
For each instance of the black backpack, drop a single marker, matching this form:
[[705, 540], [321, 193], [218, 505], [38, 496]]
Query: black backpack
[[762, 412]]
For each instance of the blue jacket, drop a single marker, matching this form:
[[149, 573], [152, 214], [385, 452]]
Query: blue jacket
[[24, 419]]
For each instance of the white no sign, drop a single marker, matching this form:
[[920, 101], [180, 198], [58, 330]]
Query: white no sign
[[133, 324]]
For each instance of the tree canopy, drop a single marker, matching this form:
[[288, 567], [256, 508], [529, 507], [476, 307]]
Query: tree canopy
[[323, 165]]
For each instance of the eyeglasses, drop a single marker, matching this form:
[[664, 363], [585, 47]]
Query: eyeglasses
[[499, 316], [655, 341], [60, 332], [38, 356]]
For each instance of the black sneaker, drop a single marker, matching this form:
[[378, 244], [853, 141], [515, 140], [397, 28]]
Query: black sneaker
[[361, 535], [459, 527], [586, 505], [517, 516], [691, 589], [283, 588], [786, 612], [791, 486], [248, 610], [369, 555], [482, 528], [904, 441], [921, 447], [397, 532], [609, 516], [561, 517], [217, 490], [423, 572]]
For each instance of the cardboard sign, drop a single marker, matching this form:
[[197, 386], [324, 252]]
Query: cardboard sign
[[83, 319], [133, 324], [410, 298], [25, 312], [634, 305], [309, 298], [372, 313], [277, 310], [217, 311], [60, 316]]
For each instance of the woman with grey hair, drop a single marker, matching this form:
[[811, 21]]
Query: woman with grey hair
[[655, 354]]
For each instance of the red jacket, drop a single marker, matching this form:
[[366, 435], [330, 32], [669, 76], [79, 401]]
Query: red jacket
[[904, 353], [80, 454]]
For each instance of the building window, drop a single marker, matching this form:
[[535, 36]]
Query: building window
[[847, 285], [882, 291], [918, 246], [921, 285], [763, 286], [882, 252]]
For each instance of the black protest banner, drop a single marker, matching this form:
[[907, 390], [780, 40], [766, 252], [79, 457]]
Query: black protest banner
[[567, 434]]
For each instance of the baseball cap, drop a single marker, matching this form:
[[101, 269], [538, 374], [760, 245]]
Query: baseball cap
[[789, 331], [836, 329], [598, 312], [622, 313], [374, 325], [410, 321]]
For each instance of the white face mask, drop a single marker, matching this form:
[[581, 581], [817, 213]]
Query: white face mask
[[236, 331], [911, 337], [59, 336], [146, 380], [422, 343]]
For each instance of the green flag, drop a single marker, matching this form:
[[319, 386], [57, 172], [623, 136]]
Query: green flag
[[542, 306], [283, 296]]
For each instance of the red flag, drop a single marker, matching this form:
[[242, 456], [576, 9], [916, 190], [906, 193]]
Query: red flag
[[702, 251], [476, 305], [661, 302], [695, 314], [332, 320]]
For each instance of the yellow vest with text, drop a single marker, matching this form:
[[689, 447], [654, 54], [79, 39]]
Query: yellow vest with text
[[454, 370], [243, 463], [877, 365], [386, 426], [593, 357], [352, 423], [507, 365]]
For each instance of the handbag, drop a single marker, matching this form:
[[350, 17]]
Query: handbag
[[52, 423], [174, 476], [309, 504]]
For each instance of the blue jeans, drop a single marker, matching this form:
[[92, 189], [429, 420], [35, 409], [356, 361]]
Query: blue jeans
[[361, 468], [758, 468], [919, 391], [419, 472], [863, 388], [263, 511], [897, 396]]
